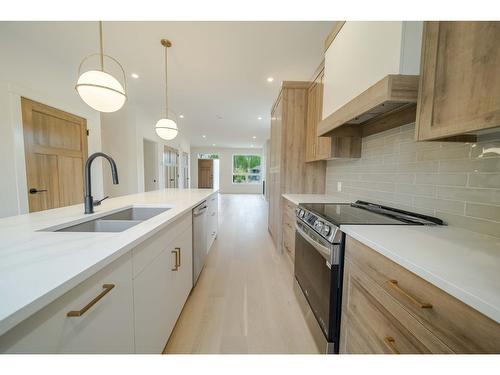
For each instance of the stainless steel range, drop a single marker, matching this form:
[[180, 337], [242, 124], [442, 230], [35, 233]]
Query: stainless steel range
[[319, 254]]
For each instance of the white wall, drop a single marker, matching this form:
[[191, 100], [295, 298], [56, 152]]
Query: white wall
[[225, 169], [363, 53], [119, 142], [26, 71], [124, 133]]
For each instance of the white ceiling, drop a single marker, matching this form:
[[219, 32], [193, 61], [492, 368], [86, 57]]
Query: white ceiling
[[217, 70]]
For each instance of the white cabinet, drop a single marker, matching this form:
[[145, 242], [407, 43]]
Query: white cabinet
[[183, 277], [213, 219], [129, 306], [162, 288], [363, 53], [153, 295], [106, 327]]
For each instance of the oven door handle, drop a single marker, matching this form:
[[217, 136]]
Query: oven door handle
[[323, 250]]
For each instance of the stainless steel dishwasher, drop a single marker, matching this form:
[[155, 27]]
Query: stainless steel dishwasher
[[199, 239]]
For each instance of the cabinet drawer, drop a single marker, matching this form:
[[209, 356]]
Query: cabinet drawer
[[106, 327], [149, 249], [213, 204], [373, 322], [289, 209], [460, 327], [289, 241]]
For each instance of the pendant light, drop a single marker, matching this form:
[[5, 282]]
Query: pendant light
[[166, 128], [99, 89]]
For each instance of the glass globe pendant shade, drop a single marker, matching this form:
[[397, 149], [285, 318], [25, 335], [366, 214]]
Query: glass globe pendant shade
[[166, 129], [101, 91]]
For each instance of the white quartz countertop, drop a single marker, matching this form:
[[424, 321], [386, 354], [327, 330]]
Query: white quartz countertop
[[37, 267], [464, 264], [316, 198]]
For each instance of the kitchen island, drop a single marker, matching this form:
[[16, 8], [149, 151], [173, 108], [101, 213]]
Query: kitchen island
[[38, 266]]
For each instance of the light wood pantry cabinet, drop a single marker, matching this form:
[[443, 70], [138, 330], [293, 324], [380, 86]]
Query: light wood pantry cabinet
[[388, 309], [288, 170], [101, 321], [459, 79]]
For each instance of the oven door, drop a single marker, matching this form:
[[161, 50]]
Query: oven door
[[317, 272]]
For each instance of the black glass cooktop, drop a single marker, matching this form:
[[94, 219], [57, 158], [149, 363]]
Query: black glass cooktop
[[364, 213]]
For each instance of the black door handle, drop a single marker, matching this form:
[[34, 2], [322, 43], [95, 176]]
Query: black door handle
[[35, 190]]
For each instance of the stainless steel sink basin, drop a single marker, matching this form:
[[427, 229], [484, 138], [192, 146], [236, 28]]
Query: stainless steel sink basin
[[100, 225], [114, 222], [136, 213]]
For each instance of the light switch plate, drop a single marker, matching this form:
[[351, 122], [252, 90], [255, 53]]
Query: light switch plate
[[339, 186]]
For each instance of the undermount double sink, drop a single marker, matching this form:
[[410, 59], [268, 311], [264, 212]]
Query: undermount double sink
[[114, 222]]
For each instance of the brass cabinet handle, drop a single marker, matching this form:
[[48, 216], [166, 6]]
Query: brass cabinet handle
[[416, 302], [179, 252], [176, 267], [106, 289], [391, 344]]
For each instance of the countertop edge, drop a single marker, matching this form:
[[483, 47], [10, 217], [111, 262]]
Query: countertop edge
[[15, 318]]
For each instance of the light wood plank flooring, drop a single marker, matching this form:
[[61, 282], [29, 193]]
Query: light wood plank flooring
[[244, 301]]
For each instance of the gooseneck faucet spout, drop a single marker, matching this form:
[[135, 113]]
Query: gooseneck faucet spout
[[89, 200]]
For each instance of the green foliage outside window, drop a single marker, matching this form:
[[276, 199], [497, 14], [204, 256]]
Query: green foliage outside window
[[246, 169]]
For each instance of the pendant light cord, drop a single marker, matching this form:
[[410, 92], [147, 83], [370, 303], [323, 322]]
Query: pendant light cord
[[166, 82], [101, 46]]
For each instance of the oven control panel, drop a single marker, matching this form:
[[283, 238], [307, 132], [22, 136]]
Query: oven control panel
[[322, 227]]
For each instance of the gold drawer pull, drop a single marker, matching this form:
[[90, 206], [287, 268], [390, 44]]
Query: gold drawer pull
[[416, 302], [391, 344], [177, 259], [179, 251], [106, 289]]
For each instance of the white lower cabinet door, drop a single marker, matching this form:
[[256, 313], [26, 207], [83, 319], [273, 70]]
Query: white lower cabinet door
[[183, 277], [155, 304], [94, 317]]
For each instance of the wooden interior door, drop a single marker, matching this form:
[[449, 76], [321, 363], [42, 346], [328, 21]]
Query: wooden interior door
[[55, 146], [205, 173]]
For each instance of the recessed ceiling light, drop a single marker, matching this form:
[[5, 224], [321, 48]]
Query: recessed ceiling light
[[181, 116], [204, 136], [259, 118], [134, 75], [213, 144], [270, 79], [254, 137]]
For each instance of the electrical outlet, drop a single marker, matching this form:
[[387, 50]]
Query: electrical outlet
[[339, 186]]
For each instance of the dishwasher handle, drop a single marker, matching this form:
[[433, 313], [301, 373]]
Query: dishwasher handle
[[200, 210]]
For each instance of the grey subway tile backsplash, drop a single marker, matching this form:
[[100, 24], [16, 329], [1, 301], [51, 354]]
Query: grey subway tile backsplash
[[457, 182]]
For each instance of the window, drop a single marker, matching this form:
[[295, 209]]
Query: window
[[246, 169]]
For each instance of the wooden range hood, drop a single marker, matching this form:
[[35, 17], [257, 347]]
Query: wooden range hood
[[389, 103]]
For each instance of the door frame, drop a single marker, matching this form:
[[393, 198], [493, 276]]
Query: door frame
[[14, 117]]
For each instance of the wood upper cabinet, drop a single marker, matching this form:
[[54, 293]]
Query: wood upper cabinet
[[460, 79], [388, 309], [317, 148]]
